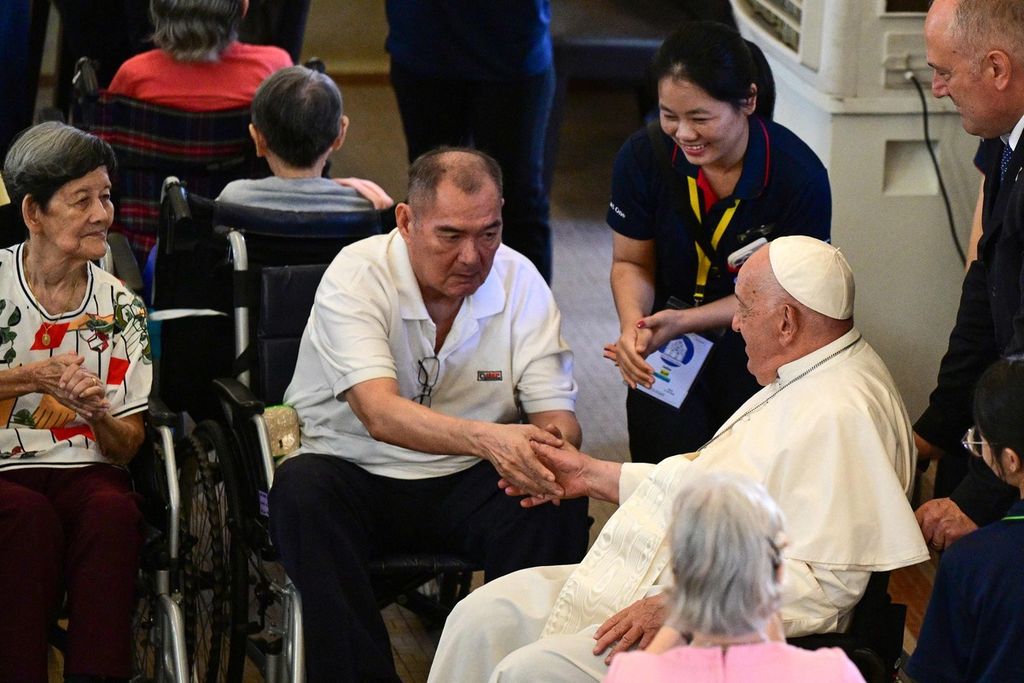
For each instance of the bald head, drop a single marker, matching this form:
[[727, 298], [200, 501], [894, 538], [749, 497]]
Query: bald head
[[776, 327], [469, 170]]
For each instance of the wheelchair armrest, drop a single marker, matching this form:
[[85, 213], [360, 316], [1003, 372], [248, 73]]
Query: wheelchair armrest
[[160, 415], [844, 641], [238, 397]]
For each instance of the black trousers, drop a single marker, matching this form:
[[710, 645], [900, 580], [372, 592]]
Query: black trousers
[[657, 430], [329, 517], [506, 119]]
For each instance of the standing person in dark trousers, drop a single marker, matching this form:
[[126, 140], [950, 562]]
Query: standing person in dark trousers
[[976, 48], [481, 74], [714, 176], [426, 350], [974, 628]]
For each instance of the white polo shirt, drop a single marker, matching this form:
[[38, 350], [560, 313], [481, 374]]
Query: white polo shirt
[[504, 353]]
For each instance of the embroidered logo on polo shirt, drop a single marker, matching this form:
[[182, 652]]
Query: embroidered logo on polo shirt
[[488, 375]]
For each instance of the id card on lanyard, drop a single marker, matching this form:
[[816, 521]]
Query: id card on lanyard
[[703, 259]]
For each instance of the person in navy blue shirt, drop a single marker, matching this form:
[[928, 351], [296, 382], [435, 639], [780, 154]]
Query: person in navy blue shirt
[[481, 74], [712, 176], [974, 627]]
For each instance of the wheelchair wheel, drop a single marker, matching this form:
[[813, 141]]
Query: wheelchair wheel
[[145, 634], [210, 566]]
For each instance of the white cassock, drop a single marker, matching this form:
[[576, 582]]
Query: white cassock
[[831, 441]]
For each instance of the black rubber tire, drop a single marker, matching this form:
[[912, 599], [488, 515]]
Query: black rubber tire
[[214, 570]]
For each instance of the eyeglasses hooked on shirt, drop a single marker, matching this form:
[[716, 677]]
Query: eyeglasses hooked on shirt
[[426, 375]]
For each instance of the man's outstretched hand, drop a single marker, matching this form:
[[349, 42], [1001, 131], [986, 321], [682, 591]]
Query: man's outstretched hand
[[565, 462]]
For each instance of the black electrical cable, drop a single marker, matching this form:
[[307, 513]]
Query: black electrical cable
[[938, 173]]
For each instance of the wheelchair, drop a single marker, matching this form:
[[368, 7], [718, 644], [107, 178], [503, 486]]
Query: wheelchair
[[256, 613], [277, 262], [874, 641], [171, 522], [158, 624], [207, 149]]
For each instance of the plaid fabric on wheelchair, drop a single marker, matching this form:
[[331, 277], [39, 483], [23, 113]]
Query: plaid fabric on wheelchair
[[206, 150]]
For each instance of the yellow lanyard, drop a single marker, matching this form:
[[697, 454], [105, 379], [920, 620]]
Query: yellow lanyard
[[703, 260]]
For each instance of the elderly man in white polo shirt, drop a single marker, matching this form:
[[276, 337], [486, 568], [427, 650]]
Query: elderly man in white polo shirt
[[829, 438], [426, 351]]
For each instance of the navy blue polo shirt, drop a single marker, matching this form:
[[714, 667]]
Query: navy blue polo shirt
[[478, 40], [783, 190], [974, 627]]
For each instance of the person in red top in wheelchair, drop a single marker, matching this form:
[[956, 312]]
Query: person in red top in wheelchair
[[199, 64]]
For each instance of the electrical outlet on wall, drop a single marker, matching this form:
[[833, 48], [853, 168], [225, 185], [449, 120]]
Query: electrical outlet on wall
[[904, 52]]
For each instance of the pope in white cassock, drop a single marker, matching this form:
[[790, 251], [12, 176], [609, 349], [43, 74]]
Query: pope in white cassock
[[828, 436]]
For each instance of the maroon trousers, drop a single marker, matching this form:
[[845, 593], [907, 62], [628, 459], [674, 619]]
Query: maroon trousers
[[75, 530]]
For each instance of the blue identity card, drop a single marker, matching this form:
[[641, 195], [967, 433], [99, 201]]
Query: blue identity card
[[676, 365]]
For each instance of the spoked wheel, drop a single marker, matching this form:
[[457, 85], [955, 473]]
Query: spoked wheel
[[148, 637], [145, 634], [211, 569]]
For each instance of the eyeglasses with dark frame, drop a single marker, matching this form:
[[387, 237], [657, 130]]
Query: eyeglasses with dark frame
[[426, 375], [973, 442]]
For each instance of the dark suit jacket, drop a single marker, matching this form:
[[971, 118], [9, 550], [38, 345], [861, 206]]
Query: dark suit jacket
[[989, 324]]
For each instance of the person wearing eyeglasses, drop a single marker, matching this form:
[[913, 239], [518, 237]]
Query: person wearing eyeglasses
[[976, 50], [974, 627], [431, 361]]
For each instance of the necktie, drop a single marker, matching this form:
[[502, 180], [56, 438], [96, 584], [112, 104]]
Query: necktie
[[1004, 162]]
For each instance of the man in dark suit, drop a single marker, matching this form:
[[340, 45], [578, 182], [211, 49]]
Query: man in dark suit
[[976, 48]]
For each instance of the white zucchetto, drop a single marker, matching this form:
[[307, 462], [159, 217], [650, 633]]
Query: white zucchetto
[[814, 273]]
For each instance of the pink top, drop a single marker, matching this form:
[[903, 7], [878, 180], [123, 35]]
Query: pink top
[[228, 83], [762, 662]]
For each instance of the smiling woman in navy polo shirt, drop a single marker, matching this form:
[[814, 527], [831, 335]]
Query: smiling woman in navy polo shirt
[[707, 180], [974, 627]]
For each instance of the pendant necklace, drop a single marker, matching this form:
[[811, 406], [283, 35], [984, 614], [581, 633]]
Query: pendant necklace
[[45, 337]]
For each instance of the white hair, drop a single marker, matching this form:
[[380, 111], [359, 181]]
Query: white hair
[[727, 538]]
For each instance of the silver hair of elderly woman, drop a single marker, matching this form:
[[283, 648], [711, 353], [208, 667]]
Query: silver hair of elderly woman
[[727, 537], [45, 157], [195, 30]]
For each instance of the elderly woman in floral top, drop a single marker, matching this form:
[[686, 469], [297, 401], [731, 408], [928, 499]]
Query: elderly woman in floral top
[[75, 374]]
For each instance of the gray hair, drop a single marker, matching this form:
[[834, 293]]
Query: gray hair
[[726, 551], [195, 30], [47, 156], [298, 111], [464, 167], [982, 25]]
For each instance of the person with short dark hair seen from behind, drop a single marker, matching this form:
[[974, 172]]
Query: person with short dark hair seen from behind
[[432, 360], [974, 627], [728, 541], [298, 120], [199, 65], [976, 48]]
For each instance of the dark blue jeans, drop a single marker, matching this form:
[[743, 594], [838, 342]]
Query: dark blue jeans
[[329, 517], [506, 119]]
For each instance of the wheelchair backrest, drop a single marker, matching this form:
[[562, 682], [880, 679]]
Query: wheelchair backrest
[[286, 298], [195, 269], [205, 149]]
